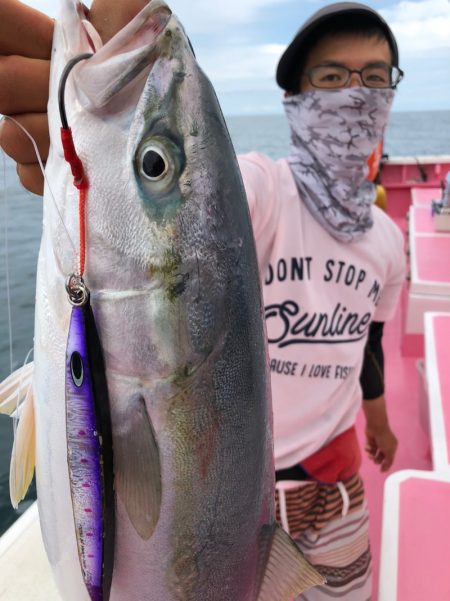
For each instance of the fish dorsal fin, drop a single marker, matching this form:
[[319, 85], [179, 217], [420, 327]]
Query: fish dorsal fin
[[13, 390], [137, 467], [287, 573], [23, 454]]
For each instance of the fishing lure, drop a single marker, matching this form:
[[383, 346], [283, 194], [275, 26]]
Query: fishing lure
[[88, 420]]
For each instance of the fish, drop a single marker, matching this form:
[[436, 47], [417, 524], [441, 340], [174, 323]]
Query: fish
[[171, 269]]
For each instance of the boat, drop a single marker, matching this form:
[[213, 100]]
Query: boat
[[25, 573], [410, 530], [411, 185], [415, 358]]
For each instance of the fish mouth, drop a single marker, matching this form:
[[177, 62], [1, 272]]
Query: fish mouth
[[158, 10], [133, 50], [141, 31]]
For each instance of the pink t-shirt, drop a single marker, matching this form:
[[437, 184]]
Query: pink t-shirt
[[320, 296]]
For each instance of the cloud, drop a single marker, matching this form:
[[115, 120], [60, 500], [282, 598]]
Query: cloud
[[420, 26], [245, 63], [198, 16], [205, 16], [234, 43]]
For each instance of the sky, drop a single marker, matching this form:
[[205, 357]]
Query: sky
[[238, 44]]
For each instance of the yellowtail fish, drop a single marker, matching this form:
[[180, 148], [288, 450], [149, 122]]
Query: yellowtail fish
[[174, 289]]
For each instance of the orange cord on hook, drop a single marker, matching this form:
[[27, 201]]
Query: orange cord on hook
[[70, 154], [81, 183], [82, 213]]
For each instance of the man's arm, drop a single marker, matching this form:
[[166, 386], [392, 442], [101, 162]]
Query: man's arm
[[25, 48], [381, 443]]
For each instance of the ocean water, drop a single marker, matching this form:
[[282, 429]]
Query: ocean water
[[415, 133], [424, 133]]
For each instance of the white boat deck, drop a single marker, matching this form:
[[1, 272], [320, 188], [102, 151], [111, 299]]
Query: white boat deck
[[24, 569]]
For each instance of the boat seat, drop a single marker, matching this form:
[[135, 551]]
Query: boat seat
[[422, 197], [415, 543], [429, 285], [437, 369]]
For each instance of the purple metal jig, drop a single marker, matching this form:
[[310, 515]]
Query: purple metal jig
[[89, 452]]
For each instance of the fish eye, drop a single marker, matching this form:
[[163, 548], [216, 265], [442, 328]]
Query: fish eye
[[76, 367], [154, 164], [158, 163]]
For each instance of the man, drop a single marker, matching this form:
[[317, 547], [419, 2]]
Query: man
[[332, 265]]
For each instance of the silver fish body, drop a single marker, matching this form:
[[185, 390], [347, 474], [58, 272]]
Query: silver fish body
[[173, 276]]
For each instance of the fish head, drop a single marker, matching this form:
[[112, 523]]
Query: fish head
[[166, 207], [150, 133]]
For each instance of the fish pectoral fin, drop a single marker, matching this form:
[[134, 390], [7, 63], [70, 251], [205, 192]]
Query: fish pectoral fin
[[13, 390], [287, 573], [137, 467], [23, 456]]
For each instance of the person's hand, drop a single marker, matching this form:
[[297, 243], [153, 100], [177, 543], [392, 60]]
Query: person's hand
[[25, 49], [381, 442], [381, 447]]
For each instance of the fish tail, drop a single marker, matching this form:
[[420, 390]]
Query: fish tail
[[287, 573]]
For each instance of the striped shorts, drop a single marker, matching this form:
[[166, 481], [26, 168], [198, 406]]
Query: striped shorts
[[330, 524]]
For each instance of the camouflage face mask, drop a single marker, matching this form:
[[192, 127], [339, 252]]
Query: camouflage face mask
[[333, 134]]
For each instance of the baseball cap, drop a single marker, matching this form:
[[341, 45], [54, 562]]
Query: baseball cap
[[287, 70]]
